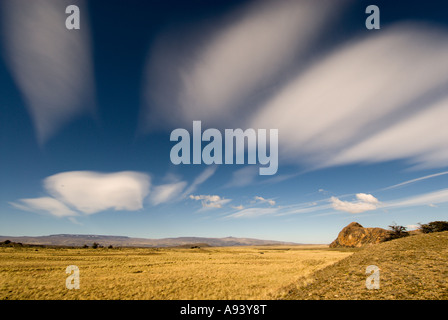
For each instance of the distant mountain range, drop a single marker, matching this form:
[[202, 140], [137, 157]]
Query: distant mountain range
[[79, 240]]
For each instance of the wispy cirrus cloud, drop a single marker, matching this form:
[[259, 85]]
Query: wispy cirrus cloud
[[243, 177], [210, 201], [364, 202], [51, 65], [204, 176], [92, 192], [253, 213], [263, 200], [426, 199]]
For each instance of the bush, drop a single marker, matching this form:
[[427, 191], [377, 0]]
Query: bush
[[397, 232], [434, 226], [95, 245]]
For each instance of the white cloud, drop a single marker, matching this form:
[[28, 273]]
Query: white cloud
[[373, 99], [211, 201], [239, 55], [413, 138], [240, 207], [261, 199], [45, 204], [416, 180], [167, 192], [92, 192], [365, 202], [51, 65], [368, 198], [204, 176], [243, 177], [306, 208], [427, 199], [253, 212]]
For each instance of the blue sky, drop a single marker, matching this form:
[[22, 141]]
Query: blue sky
[[86, 116]]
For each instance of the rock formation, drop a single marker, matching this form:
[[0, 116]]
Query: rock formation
[[355, 235]]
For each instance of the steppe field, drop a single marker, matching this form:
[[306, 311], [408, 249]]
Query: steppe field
[[160, 273], [413, 267]]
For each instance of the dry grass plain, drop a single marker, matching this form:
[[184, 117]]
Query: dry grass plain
[[160, 273]]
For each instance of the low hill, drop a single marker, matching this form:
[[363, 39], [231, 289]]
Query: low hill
[[413, 267], [73, 240]]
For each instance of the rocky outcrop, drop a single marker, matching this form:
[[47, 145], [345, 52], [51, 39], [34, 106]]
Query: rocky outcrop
[[355, 235]]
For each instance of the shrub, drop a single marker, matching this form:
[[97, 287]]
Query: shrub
[[397, 231], [434, 226], [95, 245]]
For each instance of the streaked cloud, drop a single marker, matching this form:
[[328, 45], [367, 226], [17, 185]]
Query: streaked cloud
[[92, 192], [367, 202], [238, 57], [427, 199], [51, 65], [373, 99], [75, 192], [167, 192], [253, 212], [416, 180], [88, 192], [204, 176]]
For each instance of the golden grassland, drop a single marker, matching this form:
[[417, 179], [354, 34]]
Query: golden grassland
[[160, 273]]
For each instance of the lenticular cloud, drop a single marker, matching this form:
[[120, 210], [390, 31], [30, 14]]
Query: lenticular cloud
[[90, 192]]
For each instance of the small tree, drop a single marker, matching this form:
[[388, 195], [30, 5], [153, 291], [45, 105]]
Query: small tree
[[95, 245], [397, 231], [434, 226]]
